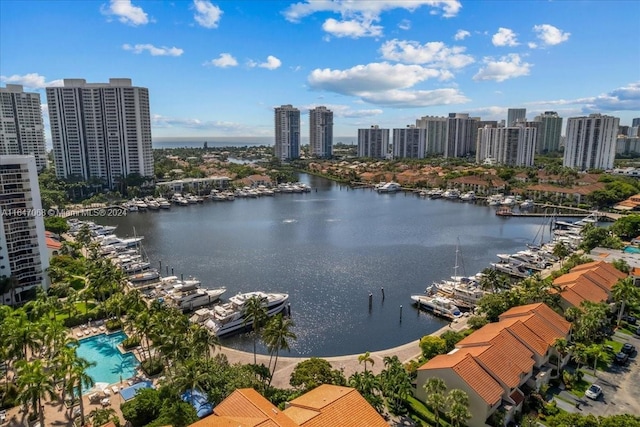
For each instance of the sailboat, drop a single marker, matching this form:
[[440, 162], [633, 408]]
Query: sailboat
[[464, 291]]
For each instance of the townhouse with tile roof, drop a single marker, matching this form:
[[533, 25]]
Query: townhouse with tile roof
[[324, 406], [592, 281], [493, 363]]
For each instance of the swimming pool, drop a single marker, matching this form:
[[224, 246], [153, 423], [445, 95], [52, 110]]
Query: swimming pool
[[111, 365], [632, 250]]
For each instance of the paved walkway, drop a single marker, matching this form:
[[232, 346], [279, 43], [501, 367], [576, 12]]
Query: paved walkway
[[348, 363]]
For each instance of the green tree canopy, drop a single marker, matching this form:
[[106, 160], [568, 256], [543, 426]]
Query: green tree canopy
[[313, 372]]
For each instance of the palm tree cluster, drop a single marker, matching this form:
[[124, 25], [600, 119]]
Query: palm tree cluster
[[455, 404], [40, 356]]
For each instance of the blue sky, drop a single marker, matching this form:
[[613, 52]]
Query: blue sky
[[217, 68]]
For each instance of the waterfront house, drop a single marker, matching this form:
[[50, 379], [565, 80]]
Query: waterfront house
[[480, 184], [592, 281], [493, 364], [324, 406]]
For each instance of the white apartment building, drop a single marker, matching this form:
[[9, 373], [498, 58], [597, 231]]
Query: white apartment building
[[591, 142], [549, 132], [409, 142], [436, 135], [373, 142], [23, 250], [321, 132], [515, 115], [510, 146], [287, 131], [462, 132], [100, 130], [21, 126]]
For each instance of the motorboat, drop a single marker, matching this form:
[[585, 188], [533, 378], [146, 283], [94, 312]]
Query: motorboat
[[527, 204], [389, 187], [438, 306], [230, 317], [508, 201], [145, 276], [163, 203], [468, 196], [495, 199], [188, 295], [451, 193]]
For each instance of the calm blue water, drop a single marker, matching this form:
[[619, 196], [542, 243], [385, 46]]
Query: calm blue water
[[111, 365], [632, 250], [328, 249]]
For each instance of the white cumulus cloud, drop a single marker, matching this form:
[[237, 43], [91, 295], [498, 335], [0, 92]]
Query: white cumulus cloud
[[358, 18], [30, 81], [344, 111], [405, 24], [416, 98], [207, 15], [270, 64], [504, 37], [351, 28], [507, 67], [225, 60], [461, 35], [153, 50], [126, 12], [625, 98], [550, 35], [436, 54]]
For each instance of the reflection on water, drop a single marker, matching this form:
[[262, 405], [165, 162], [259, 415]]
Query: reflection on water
[[329, 249]]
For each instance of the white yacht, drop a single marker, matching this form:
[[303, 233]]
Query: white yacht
[[439, 306], [230, 317], [527, 204], [468, 196], [451, 193], [389, 187], [188, 295]]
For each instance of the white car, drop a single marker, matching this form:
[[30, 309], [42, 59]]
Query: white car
[[594, 392]]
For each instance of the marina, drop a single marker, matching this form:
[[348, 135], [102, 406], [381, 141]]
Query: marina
[[328, 249]]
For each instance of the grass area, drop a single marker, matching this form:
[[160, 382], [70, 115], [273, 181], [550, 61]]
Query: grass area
[[617, 346], [423, 413], [579, 388], [81, 308]]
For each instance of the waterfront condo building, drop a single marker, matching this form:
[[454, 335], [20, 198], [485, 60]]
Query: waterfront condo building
[[509, 146], [321, 132], [23, 251], [549, 132], [100, 131], [436, 135], [21, 127], [409, 142], [373, 142], [591, 142], [462, 132], [516, 114], [287, 130]]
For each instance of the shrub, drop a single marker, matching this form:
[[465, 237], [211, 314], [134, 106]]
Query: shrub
[[113, 324], [152, 367], [8, 396], [130, 343]]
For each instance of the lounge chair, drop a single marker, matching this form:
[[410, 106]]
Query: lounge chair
[[102, 328], [107, 392], [79, 334], [115, 389], [87, 332], [105, 402], [94, 330]]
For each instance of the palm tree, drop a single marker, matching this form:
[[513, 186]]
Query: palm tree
[[102, 416], [489, 280], [192, 375], [561, 251], [458, 404], [436, 399], [366, 358], [79, 379], [624, 291], [597, 352], [255, 313], [277, 334], [368, 386], [579, 354], [562, 347], [34, 383], [201, 341]]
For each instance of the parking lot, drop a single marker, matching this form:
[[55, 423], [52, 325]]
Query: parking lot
[[620, 386]]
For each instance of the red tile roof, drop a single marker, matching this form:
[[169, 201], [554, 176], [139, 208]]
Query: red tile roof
[[591, 281]]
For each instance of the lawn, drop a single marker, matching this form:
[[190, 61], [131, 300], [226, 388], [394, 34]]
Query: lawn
[[81, 308], [579, 388]]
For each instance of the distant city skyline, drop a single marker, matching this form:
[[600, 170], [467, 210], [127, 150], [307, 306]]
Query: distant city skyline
[[216, 69]]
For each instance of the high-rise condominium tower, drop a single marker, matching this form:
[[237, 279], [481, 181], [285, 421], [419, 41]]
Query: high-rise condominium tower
[[510, 146], [461, 135], [550, 131], [436, 135], [100, 130], [287, 130], [321, 132], [373, 142], [21, 128], [591, 142], [409, 142], [23, 251], [515, 114]]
